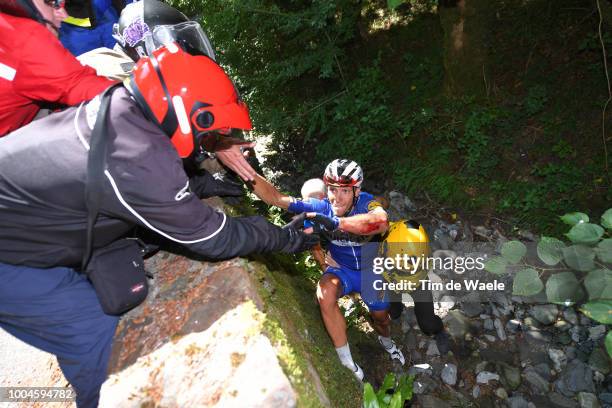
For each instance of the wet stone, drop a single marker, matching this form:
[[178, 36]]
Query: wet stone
[[600, 361], [513, 325], [457, 324], [571, 316], [543, 370], [576, 377], [545, 314], [588, 400], [510, 376], [558, 358], [449, 374], [518, 402], [429, 401], [563, 338], [559, 401], [501, 393], [597, 332], [484, 377], [499, 327], [537, 384], [562, 325]]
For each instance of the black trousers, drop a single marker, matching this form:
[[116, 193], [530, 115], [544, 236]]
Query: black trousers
[[427, 320]]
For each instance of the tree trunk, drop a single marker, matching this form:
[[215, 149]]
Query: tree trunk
[[466, 31]]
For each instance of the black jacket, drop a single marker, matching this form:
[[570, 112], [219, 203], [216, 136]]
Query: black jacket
[[42, 192]]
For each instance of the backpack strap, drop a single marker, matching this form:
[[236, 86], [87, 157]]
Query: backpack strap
[[96, 163]]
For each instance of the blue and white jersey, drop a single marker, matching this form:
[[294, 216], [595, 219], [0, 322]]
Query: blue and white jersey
[[345, 247]]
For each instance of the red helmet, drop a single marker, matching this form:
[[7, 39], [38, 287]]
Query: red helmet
[[187, 96]]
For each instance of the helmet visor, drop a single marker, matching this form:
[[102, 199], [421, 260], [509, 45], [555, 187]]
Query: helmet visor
[[188, 35]]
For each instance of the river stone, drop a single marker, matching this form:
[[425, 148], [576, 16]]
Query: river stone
[[544, 370], [562, 325], [513, 325], [432, 349], [606, 398], [476, 391], [538, 336], [600, 361], [517, 402], [457, 324], [500, 330], [597, 332], [420, 369], [449, 374], [563, 338], [558, 358], [484, 377], [501, 393], [531, 323], [545, 314], [559, 401], [571, 316], [537, 384], [510, 376], [576, 377], [578, 334], [488, 324], [429, 401], [424, 385], [588, 400]]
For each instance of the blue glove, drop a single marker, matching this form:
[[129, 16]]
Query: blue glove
[[325, 223]]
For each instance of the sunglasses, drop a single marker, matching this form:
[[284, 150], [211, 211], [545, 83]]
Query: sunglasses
[[56, 4]]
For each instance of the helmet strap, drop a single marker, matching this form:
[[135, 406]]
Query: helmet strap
[[348, 212]]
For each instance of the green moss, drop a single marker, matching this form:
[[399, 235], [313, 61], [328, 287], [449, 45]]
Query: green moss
[[294, 327]]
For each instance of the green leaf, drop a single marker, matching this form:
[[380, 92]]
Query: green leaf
[[600, 311], [388, 383], [369, 397], [574, 218], [405, 386], [579, 257], [563, 288], [585, 233], [606, 219], [549, 250], [599, 284], [496, 265], [527, 283], [392, 4], [604, 250], [513, 251], [396, 401], [609, 343]]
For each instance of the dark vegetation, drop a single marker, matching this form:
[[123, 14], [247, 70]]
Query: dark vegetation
[[511, 124]]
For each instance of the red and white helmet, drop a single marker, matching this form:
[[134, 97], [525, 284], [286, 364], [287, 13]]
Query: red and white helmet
[[343, 173]]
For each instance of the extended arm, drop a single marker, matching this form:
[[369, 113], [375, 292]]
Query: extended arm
[[269, 194], [371, 223]]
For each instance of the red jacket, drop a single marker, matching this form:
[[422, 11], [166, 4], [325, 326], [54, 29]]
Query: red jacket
[[36, 68]]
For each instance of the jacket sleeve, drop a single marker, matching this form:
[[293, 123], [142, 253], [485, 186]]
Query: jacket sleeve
[[148, 185], [310, 205], [49, 72], [246, 235]]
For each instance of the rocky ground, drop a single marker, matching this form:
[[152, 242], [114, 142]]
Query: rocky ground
[[505, 351]]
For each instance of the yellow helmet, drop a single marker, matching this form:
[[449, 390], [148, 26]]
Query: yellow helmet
[[406, 239]]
